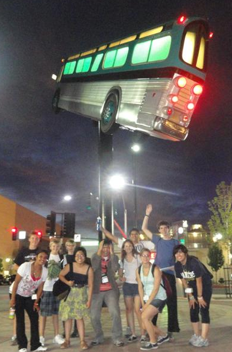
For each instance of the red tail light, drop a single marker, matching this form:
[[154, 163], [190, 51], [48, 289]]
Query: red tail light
[[210, 35], [197, 89], [181, 19], [190, 106], [180, 82], [185, 118]]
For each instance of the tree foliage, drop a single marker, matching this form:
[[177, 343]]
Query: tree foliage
[[1, 265], [216, 258], [221, 208]]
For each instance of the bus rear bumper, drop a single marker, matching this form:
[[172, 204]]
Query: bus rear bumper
[[170, 129]]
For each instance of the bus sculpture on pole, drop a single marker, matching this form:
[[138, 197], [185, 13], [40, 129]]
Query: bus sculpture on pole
[[148, 82]]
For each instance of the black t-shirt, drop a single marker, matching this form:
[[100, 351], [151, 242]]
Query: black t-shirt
[[25, 255], [192, 270]]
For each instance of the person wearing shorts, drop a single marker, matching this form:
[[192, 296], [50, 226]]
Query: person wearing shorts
[[153, 297], [130, 261], [49, 305]]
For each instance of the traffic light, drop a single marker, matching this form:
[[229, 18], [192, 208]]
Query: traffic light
[[69, 225], [51, 224], [14, 233]]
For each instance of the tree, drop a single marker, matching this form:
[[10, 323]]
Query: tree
[[216, 258], [221, 218], [1, 265]]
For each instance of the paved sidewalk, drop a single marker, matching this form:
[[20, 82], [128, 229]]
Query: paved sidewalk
[[220, 334]]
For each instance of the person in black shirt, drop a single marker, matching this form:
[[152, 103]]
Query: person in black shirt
[[196, 280]]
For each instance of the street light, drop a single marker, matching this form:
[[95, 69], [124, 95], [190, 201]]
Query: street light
[[136, 148], [67, 198], [117, 182]]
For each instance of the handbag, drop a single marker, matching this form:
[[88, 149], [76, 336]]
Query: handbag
[[60, 289]]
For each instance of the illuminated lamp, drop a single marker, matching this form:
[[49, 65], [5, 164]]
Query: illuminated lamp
[[174, 98], [181, 19], [197, 89], [185, 118], [190, 106], [180, 82], [210, 35]]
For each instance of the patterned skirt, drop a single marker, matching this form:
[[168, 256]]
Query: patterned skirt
[[75, 305]]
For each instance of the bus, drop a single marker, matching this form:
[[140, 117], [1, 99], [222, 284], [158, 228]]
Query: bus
[[149, 81]]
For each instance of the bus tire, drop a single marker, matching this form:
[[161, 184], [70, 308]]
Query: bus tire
[[109, 113], [55, 102]]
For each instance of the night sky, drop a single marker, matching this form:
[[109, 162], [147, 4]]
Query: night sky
[[45, 156]]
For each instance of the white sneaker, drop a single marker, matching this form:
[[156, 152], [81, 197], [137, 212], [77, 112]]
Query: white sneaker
[[23, 350], [58, 339], [42, 340], [193, 339], [40, 348]]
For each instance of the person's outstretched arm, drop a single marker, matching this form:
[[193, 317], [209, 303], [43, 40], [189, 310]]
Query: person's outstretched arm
[[145, 221], [109, 235]]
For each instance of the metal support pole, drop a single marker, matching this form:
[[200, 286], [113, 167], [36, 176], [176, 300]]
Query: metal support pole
[[105, 154]]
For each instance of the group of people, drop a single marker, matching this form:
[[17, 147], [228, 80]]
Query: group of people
[[146, 287]]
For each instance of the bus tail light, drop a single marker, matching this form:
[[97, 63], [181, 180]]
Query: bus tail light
[[180, 82], [167, 110], [190, 106], [173, 98], [197, 89], [181, 19]]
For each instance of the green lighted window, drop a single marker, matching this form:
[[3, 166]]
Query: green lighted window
[[116, 58], [69, 68], [83, 65], [109, 59], [80, 64], [96, 63], [121, 57], [141, 52], [87, 63], [160, 49], [201, 54], [188, 47]]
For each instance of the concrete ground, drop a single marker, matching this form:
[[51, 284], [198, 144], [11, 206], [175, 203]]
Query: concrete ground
[[220, 336]]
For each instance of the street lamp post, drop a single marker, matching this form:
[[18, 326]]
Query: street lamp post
[[117, 183], [136, 149]]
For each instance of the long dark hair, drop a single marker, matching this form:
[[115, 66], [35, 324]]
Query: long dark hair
[[123, 253]]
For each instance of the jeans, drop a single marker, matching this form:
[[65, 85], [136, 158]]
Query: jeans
[[111, 299], [26, 303], [173, 325]]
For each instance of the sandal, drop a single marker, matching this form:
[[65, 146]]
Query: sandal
[[84, 345], [66, 344]]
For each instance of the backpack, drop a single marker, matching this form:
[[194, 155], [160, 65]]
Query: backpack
[[166, 284]]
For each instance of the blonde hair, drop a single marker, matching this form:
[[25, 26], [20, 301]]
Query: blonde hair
[[54, 241]]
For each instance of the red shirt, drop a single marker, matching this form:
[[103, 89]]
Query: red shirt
[[106, 286]]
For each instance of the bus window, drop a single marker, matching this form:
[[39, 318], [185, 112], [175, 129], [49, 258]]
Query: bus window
[[188, 47], [201, 54], [160, 49], [116, 58], [83, 65], [141, 52], [87, 63], [109, 59], [96, 62], [69, 68], [121, 57]]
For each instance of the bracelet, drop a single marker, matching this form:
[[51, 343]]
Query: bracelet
[[191, 298], [201, 297], [36, 304], [147, 215]]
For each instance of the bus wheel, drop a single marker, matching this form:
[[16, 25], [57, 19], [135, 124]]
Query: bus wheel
[[55, 102], [109, 113]]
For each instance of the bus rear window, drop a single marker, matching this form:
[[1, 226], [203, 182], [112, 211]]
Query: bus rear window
[[193, 49], [69, 68], [152, 50], [116, 58]]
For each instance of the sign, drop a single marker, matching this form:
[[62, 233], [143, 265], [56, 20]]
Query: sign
[[22, 235], [77, 237]]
